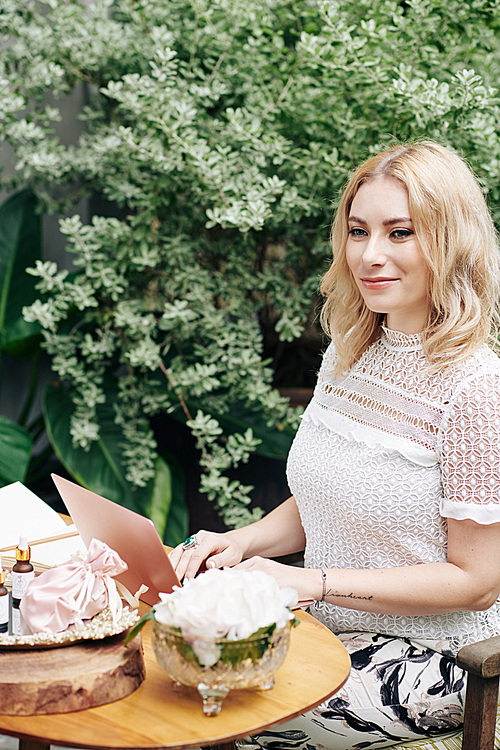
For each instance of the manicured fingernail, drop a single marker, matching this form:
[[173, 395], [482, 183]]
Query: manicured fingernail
[[210, 564]]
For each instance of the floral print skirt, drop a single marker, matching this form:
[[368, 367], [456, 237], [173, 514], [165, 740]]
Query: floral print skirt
[[398, 690]]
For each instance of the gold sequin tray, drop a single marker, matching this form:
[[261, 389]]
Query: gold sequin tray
[[99, 627]]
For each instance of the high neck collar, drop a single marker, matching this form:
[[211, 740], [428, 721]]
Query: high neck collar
[[398, 340]]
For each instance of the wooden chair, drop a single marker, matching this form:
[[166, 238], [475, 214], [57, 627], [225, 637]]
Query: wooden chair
[[481, 730]]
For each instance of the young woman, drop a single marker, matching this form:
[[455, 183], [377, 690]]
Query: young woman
[[395, 470]]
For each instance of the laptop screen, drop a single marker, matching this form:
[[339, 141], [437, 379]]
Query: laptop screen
[[133, 536]]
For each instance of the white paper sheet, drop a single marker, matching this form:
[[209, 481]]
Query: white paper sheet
[[23, 512]]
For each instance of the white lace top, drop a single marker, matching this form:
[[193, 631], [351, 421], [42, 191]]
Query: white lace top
[[382, 458]]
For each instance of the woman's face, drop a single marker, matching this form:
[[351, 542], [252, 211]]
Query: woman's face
[[385, 257]]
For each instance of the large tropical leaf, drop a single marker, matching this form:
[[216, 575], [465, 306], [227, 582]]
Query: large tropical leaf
[[20, 247], [161, 496], [101, 468], [177, 522], [15, 452], [168, 509], [177, 525]]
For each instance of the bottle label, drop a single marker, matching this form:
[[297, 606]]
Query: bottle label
[[16, 621], [20, 583], [4, 613]]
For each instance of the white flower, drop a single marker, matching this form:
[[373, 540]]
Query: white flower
[[231, 604]]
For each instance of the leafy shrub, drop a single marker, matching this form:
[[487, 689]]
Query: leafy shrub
[[222, 131]]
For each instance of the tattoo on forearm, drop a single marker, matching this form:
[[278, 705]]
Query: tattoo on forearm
[[330, 592]]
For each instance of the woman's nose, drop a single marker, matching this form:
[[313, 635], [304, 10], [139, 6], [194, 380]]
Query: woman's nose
[[374, 252]]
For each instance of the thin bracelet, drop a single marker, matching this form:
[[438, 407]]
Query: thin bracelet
[[323, 576]]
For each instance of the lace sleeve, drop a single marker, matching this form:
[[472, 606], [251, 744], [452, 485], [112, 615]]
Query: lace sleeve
[[328, 361], [470, 452]]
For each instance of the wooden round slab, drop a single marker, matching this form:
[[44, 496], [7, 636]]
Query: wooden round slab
[[71, 678]]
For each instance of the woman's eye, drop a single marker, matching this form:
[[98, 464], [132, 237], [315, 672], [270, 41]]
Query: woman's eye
[[357, 232], [401, 234]]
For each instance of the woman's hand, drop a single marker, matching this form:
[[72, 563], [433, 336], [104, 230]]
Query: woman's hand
[[278, 533], [306, 581], [211, 551]]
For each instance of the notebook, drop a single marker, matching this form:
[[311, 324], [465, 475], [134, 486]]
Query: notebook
[[23, 512], [133, 536]]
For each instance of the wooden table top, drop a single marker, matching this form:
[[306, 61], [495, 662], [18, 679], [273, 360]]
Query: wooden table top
[[157, 716]]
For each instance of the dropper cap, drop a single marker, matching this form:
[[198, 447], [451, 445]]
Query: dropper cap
[[23, 552], [2, 573]]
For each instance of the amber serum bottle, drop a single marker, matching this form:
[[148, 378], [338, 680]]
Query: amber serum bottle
[[22, 574], [4, 602]]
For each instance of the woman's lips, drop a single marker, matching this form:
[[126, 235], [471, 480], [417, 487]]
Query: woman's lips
[[378, 283]]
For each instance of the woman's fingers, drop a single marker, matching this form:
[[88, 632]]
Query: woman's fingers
[[229, 556], [175, 555], [203, 550], [188, 557], [207, 550]]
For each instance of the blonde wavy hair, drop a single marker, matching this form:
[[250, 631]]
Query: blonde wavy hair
[[458, 240]]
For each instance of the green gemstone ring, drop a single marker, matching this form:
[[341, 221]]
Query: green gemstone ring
[[190, 543]]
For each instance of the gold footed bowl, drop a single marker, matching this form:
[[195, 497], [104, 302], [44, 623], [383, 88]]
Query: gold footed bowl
[[251, 662]]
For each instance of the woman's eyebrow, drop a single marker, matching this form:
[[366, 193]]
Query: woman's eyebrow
[[386, 223], [397, 220]]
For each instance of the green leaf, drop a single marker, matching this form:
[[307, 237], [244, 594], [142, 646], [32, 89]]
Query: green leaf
[[182, 646], [177, 526], [161, 496], [15, 452], [177, 523], [20, 247], [138, 626], [100, 468], [275, 443], [233, 652]]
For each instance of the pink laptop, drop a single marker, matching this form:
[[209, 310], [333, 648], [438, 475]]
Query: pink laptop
[[134, 537]]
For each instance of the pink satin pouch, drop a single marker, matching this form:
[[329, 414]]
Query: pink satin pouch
[[72, 592]]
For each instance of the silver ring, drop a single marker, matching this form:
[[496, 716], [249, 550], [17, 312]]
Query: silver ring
[[190, 543]]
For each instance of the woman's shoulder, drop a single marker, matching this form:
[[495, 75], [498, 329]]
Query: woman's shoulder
[[485, 353], [474, 386], [483, 363], [328, 361]]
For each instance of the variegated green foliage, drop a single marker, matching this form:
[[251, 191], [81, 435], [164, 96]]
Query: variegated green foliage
[[223, 131]]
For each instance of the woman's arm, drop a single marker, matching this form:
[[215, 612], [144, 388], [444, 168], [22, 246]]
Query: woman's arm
[[278, 533], [469, 580]]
